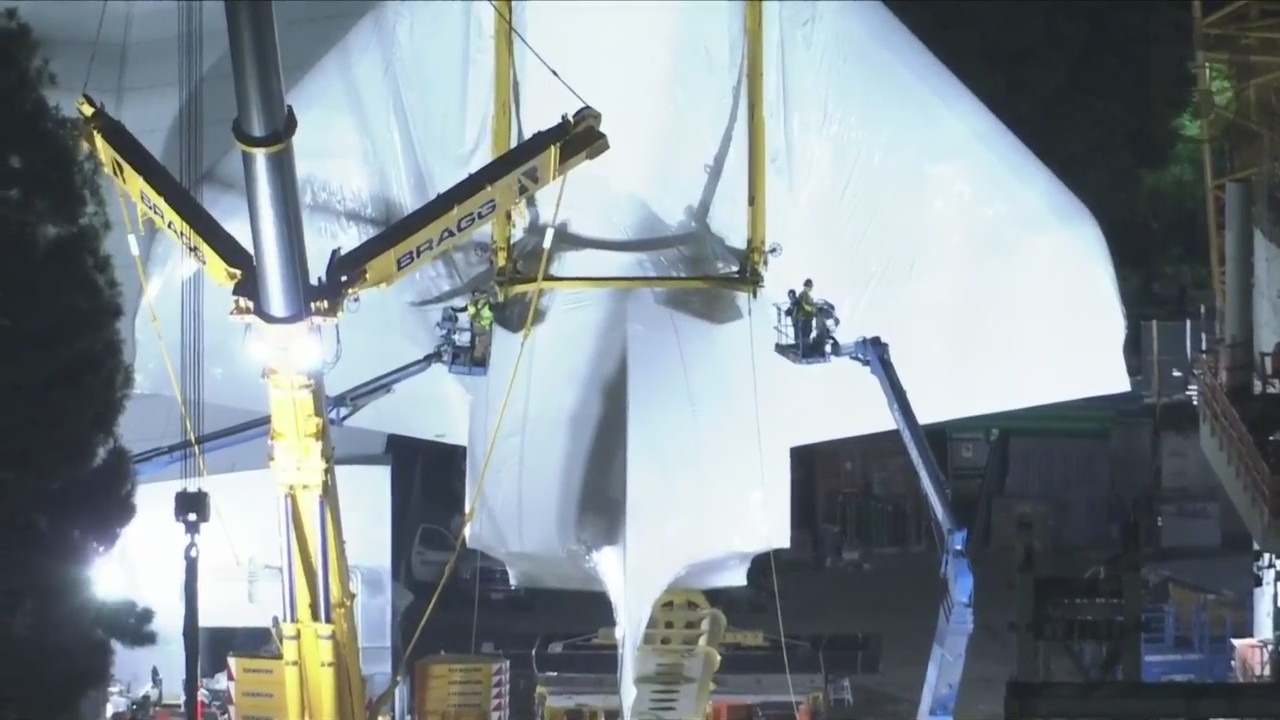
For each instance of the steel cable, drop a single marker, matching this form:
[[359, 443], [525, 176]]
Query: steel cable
[[191, 355]]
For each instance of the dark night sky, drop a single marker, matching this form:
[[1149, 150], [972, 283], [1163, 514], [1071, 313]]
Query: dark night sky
[[1093, 88]]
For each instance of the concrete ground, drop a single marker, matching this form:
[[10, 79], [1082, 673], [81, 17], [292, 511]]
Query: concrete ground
[[897, 597]]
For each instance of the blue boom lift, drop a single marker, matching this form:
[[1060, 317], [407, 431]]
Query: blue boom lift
[[955, 616], [454, 352]]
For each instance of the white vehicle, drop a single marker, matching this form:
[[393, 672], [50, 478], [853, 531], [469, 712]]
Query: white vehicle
[[432, 548]]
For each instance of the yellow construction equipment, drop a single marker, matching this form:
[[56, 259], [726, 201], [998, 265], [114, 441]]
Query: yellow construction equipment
[[462, 687], [317, 674]]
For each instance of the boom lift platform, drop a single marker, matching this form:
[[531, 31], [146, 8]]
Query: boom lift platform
[[317, 675], [955, 616], [458, 346], [341, 408]]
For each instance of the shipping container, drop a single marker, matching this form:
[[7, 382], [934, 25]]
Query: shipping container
[[990, 487], [801, 549], [1049, 466], [967, 452], [831, 465], [1193, 523], [1132, 458], [1074, 474], [803, 470], [1184, 470], [1007, 512], [867, 487], [879, 525]]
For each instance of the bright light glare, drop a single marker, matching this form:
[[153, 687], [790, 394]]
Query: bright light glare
[[107, 578], [296, 348]]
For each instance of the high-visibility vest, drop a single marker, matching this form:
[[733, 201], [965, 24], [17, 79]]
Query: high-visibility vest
[[806, 306], [481, 312]]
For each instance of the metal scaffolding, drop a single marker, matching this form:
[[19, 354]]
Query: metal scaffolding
[[1237, 70]]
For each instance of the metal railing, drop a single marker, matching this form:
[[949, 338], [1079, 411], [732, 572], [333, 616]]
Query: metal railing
[[1235, 439], [1198, 646], [783, 326]]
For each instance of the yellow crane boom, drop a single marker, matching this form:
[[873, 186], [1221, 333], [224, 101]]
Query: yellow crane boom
[[424, 235], [317, 674]]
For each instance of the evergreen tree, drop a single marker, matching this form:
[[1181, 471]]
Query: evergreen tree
[[66, 483]]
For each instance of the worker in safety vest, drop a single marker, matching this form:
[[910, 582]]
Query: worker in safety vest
[[480, 312], [805, 311], [793, 305]]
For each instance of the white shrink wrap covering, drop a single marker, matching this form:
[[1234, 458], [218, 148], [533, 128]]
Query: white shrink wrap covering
[[645, 438], [644, 444], [915, 211]]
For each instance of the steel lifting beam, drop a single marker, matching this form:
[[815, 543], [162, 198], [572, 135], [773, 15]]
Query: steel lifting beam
[[522, 286], [317, 626], [749, 277]]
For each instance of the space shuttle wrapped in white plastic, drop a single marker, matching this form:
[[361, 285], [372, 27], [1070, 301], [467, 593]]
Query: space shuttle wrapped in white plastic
[[646, 441]]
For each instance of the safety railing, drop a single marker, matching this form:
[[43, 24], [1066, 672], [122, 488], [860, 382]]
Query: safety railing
[[1252, 661], [784, 327], [1205, 629], [1236, 441], [454, 327], [1200, 653]]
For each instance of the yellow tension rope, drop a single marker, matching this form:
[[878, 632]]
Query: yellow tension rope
[[188, 427], [525, 334]]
